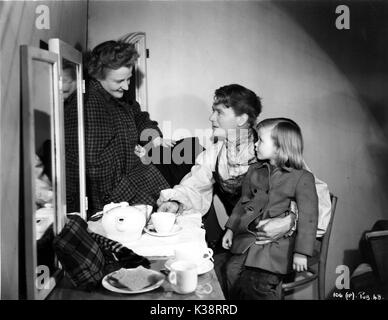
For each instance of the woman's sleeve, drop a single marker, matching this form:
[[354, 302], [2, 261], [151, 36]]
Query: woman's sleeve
[[324, 203], [101, 155], [143, 122], [307, 202], [98, 133], [195, 191]]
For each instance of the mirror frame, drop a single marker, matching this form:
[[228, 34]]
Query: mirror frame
[[28, 54], [65, 51]]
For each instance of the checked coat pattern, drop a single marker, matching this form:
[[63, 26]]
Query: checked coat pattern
[[113, 172]]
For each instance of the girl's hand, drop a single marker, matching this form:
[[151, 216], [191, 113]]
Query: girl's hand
[[227, 239], [159, 141], [300, 262]]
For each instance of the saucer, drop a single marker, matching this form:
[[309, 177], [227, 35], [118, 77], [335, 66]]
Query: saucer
[[150, 229], [206, 265]]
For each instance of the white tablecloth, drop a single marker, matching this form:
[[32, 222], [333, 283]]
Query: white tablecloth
[[149, 245]]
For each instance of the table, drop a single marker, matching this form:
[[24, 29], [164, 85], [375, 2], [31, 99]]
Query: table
[[157, 250], [208, 289]]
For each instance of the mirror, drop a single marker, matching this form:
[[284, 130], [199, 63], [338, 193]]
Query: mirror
[[71, 102], [43, 174]]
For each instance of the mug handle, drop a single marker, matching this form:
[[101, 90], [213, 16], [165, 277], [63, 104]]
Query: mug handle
[[172, 277]]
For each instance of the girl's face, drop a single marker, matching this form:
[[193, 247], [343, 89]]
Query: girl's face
[[117, 81], [223, 119], [265, 147]]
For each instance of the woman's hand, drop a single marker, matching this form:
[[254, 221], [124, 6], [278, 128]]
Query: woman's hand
[[275, 228], [140, 151], [300, 262], [159, 141], [227, 239], [169, 206]]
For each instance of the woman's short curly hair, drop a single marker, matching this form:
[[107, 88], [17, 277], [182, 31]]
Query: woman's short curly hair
[[241, 100], [110, 55]]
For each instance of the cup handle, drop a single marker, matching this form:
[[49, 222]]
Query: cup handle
[[172, 277], [208, 254]]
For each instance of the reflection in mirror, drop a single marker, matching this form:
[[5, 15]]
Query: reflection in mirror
[[69, 94], [43, 117], [72, 106], [42, 169]]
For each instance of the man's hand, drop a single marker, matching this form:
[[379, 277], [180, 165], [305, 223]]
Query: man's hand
[[275, 228], [169, 206], [159, 141]]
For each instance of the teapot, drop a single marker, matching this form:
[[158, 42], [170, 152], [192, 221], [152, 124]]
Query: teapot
[[124, 223]]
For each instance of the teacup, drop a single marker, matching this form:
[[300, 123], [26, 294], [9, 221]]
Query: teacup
[[183, 276], [163, 221], [193, 252]]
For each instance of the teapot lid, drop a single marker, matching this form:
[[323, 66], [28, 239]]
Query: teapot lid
[[112, 205]]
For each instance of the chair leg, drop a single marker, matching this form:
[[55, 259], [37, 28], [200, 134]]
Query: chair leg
[[321, 283], [281, 291]]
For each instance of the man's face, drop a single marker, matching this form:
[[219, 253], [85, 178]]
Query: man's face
[[223, 119], [116, 81]]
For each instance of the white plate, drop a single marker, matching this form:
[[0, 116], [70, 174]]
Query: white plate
[[205, 266], [154, 286], [175, 229]]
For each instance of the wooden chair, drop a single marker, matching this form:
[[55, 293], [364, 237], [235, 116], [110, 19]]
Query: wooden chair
[[320, 264], [378, 242]]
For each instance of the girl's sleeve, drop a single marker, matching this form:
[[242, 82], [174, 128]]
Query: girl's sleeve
[[234, 219], [307, 202], [195, 191]]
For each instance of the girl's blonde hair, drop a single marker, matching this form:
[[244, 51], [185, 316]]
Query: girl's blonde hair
[[287, 137]]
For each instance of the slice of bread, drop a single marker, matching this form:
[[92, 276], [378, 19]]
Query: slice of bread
[[134, 279]]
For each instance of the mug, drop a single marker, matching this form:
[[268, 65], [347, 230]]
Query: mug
[[163, 221], [193, 252], [183, 276]]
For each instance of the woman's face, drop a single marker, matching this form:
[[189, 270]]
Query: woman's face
[[69, 85], [116, 81], [223, 120]]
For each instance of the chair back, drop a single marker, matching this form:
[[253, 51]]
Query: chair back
[[325, 248], [378, 243], [311, 274]]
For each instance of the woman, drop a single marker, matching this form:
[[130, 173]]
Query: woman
[[113, 126], [221, 168]]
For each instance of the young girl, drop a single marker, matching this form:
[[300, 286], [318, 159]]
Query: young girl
[[255, 270]]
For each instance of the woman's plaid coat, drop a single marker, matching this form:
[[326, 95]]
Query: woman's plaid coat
[[113, 172]]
